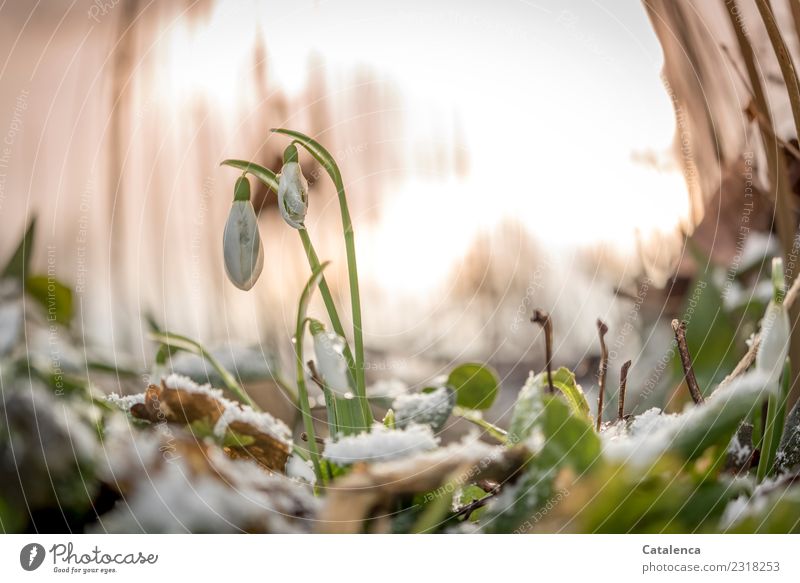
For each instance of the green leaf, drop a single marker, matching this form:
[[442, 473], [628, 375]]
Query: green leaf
[[18, 266], [349, 419], [527, 409], [773, 430], [715, 421], [529, 401], [470, 494], [234, 439], [475, 385], [265, 175], [431, 408], [567, 440], [564, 381], [53, 296]]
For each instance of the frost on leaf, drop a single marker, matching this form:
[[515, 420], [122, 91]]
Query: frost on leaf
[[255, 435], [170, 482], [431, 408], [245, 433], [789, 453], [690, 433], [773, 506], [373, 490]]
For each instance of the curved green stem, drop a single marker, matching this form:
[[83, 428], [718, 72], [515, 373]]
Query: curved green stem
[[474, 417], [327, 297], [324, 157], [176, 341], [302, 389]]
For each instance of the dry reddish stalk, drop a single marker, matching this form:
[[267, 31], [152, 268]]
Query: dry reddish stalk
[[686, 360], [602, 329], [623, 381], [543, 319]]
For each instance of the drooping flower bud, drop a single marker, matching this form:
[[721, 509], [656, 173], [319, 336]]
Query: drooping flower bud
[[331, 364], [241, 241], [292, 190], [775, 329]]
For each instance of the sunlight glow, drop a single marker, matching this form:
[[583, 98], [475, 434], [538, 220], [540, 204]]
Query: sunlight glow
[[553, 145]]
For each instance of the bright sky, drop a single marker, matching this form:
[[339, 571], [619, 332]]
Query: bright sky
[[554, 99]]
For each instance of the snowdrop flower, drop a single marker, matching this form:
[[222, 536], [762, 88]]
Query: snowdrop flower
[[775, 330], [241, 242], [292, 190], [331, 364]]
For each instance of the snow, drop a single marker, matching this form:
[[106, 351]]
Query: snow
[[735, 511], [470, 449], [432, 408], [740, 452], [652, 433], [184, 383], [380, 444], [189, 491], [301, 470], [125, 402], [744, 506], [261, 421]]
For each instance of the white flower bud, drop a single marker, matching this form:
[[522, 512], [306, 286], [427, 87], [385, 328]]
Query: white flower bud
[[241, 241], [775, 330], [331, 364], [292, 190]]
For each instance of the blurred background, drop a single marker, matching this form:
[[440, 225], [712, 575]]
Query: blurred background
[[498, 157]]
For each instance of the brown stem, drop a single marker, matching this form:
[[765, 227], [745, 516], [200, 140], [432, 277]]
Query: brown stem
[[543, 319], [623, 382], [776, 164], [784, 59], [794, 5], [756, 102], [602, 329], [319, 440], [315, 375], [467, 510], [686, 360]]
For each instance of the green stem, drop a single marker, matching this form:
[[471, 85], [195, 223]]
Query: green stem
[[475, 418], [176, 341], [302, 389], [333, 414], [327, 299], [305, 408], [327, 161]]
